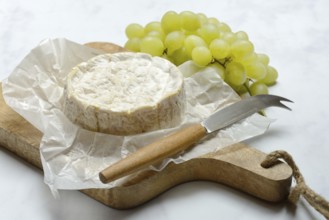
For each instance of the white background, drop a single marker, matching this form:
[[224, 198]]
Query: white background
[[293, 33]]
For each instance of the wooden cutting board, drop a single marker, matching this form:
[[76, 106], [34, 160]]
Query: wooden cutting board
[[237, 166]]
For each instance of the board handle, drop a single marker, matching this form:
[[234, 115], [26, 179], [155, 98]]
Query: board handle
[[154, 153]]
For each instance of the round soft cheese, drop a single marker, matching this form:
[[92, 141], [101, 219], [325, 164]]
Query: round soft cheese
[[124, 94]]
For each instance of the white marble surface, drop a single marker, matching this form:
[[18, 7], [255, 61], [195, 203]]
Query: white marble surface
[[293, 33]]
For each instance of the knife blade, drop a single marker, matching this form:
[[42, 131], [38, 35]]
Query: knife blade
[[185, 138]]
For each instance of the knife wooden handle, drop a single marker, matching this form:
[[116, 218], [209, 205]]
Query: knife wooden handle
[[154, 153]]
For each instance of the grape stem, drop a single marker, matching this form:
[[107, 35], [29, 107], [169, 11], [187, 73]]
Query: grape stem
[[224, 63]]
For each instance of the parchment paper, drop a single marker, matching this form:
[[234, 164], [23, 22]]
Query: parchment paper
[[72, 157]]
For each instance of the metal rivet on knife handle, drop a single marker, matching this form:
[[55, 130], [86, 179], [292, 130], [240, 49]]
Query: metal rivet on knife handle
[[185, 138]]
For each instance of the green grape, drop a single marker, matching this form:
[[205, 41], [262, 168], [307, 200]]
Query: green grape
[[251, 58], [152, 45], [189, 21], [218, 68], [157, 34], [213, 20], [209, 32], [210, 44], [256, 70], [241, 35], [202, 18], [170, 22], [174, 40], [193, 41], [235, 74], [153, 26], [241, 89], [219, 49], [258, 88], [229, 37], [224, 27], [134, 30], [201, 56], [167, 57], [241, 48], [133, 44], [179, 56], [263, 58], [271, 76]]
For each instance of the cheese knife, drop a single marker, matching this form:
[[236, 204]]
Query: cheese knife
[[187, 137]]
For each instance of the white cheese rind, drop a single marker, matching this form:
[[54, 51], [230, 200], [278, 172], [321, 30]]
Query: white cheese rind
[[124, 94]]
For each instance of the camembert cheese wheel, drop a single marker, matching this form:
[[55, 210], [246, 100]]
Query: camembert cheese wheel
[[124, 94]]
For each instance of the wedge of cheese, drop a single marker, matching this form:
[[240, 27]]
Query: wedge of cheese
[[124, 94]]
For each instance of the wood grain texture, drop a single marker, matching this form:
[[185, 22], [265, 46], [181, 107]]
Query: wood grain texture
[[237, 166], [154, 153]]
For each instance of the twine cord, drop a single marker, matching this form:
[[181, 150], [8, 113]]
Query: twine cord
[[301, 189]]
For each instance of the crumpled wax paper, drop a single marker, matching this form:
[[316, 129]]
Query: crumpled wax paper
[[72, 157]]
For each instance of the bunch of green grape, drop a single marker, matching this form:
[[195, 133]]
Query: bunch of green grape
[[184, 36]]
